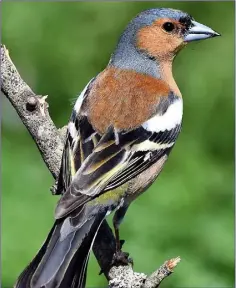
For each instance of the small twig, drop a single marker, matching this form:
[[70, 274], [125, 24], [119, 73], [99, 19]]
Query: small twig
[[62, 131], [155, 279], [33, 111]]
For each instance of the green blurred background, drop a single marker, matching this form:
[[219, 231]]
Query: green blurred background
[[58, 48]]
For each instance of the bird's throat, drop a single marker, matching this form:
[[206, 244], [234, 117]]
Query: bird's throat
[[166, 74]]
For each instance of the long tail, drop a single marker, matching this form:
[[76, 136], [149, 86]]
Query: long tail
[[62, 260]]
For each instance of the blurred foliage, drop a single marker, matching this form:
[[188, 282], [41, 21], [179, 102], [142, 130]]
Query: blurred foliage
[[58, 48]]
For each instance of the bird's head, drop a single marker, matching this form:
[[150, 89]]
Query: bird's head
[[162, 32]]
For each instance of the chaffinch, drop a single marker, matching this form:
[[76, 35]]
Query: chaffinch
[[122, 129]]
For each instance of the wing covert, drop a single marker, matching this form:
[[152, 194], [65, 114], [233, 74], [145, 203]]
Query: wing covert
[[80, 141]]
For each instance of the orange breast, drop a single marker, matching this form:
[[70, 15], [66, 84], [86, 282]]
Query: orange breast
[[123, 98]]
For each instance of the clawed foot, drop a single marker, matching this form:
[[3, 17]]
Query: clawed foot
[[121, 258]]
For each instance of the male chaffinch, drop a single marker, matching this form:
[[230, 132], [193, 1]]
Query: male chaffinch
[[122, 129]]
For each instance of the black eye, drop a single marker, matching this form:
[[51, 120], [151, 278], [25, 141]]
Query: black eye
[[168, 26]]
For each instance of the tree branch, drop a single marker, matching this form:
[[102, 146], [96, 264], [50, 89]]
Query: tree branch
[[33, 111]]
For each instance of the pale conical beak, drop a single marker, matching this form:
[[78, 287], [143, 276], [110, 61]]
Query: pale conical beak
[[199, 32]]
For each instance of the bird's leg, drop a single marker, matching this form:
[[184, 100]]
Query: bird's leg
[[119, 242], [117, 219], [120, 257], [117, 235]]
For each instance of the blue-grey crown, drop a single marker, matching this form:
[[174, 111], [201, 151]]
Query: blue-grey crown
[[148, 16]]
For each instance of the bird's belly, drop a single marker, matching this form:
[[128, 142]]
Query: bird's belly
[[141, 182]]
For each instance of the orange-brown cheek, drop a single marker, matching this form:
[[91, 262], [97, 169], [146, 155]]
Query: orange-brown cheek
[[158, 43]]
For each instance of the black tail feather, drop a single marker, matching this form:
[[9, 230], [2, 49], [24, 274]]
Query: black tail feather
[[62, 261], [25, 277]]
